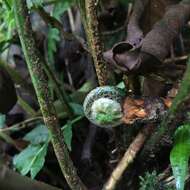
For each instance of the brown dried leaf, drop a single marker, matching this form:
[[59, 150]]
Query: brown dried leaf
[[146, 109], [167, 102], [133, 110], [141, 113]]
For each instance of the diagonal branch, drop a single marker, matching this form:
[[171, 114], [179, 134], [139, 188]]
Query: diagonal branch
[[35, 65], [128, 158]]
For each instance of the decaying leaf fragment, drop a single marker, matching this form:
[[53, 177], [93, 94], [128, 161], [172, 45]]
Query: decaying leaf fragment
[[147, 55], [147, 109]]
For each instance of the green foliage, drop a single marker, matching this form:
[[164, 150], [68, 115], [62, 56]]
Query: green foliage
[[60, 7], [7, 17], [107, 112], [8, 23], [53, 37], [2, 120], [34, 3], [180, 154], [104, 118], [77, 108], [53, 34], [67, 133], [31, 159], [38, 135], [150, 182], [121, 85], [7, 20]]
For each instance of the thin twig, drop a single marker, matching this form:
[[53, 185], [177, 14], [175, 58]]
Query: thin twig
[[60, 92], [25, 106], [48, 19], [22, 125], [117, 30], [176, 59], [128, 158], [9, 140], [71, 19]]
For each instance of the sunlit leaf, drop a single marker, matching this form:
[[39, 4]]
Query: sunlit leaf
[[77, 108], [60, 7], [2, 120], [32, 3], [180, 154], [53, 38], [31, 159], [53, 34], [67, 133], [38, 135], [6, 19]]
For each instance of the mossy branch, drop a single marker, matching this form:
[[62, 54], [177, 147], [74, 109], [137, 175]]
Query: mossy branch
[[35, 65], [90, 20]]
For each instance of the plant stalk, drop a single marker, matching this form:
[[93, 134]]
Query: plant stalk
[[90, 20], [39, 79]]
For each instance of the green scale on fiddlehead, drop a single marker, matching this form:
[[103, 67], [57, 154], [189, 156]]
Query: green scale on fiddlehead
[[103, 106]]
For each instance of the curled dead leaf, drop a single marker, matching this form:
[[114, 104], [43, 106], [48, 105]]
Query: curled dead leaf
[[133, 110], [145, 109]]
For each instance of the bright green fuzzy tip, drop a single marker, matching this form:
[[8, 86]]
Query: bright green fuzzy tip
[[106, 111], [103, 118]]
